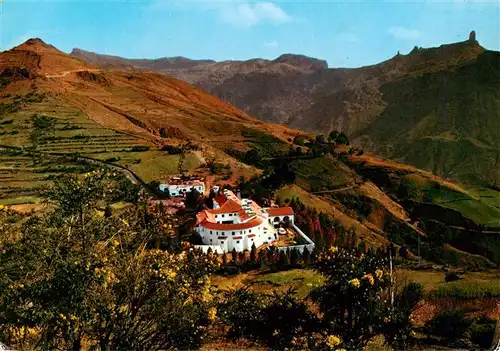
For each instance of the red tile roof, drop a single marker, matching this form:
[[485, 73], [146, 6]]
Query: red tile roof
[[237, 237], [280, 211], [222, 237], [220, 199], [234, 226], [251, 235], [229, 206]]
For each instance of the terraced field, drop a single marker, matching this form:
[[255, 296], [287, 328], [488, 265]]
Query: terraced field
[[74, 135]]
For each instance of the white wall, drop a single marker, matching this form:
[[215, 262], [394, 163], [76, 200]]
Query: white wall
[[245, 243], [175, 190]]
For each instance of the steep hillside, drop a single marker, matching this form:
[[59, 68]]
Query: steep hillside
[[415, 108], [115, 117]]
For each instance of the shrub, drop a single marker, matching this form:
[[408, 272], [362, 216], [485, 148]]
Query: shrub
[[449, 324], [140, 148], [482, 332], [172, 150], [112, 159], [356, 283], [451, 277]]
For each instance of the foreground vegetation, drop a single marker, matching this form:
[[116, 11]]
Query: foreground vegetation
[[82, 276]]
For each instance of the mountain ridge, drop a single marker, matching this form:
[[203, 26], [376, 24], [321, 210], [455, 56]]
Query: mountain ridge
[[355, 100], [158, 126]]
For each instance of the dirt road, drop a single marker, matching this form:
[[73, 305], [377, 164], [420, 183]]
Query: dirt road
[[65, 73]]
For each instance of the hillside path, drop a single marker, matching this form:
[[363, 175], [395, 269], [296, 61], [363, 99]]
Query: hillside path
[[65, 73]]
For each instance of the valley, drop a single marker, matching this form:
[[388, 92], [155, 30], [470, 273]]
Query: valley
[[62, 117]]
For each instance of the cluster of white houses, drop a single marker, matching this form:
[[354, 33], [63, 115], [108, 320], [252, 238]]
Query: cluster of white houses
[[177, 188], [236, 223]]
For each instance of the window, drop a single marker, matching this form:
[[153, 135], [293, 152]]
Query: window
[[252, 239], [249, 230], [238, 242], [222, 216], [222, 243], [210, 232], [211, 240], [232, 233], [269, 238]]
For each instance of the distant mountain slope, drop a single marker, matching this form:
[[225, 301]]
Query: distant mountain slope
[[435, 108]]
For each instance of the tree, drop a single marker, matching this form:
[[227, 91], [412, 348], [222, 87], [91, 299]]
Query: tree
[[108, 292], [299, 140], [253, 254], [306, 256], [342, 139], [284, 259], [194, 200], [234, 256], [333, 136], [241, 257], [163, 133], [78, 196], [357, 284], [294, 257], [252, 156], [320, 139]]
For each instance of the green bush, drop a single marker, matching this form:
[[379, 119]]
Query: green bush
[[140, 148], [449, 324], [482, 332], [466, 291], [112, 159]]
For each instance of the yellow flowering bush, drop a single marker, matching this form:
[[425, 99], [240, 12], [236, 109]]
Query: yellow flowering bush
[[81, 280], [359, 309]]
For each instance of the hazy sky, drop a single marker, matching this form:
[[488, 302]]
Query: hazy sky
[[345, 33]]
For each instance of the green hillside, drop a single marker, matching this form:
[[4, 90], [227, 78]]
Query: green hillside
[[444, 121]]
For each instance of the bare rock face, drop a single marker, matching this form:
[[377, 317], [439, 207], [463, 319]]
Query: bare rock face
[[472, 37]]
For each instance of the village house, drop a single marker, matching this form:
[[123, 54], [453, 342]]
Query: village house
[[236, 223], [180, 188]]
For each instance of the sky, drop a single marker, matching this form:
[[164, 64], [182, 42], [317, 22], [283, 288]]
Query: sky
[[345, 33]]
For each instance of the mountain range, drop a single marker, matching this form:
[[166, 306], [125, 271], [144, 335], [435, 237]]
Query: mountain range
[[80, 113], [437, 108]]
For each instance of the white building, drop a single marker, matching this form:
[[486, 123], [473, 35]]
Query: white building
[[183, 188], [239, 223]]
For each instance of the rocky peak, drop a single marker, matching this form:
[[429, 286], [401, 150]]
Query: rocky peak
[[472, 37]]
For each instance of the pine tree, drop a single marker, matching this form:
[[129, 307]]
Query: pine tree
[[270, 256], [234, 256], [306, 256], [320, 242], [284, 259], [253, 254], [294, 257], [362, 247], [224, 259], [262, 262]]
